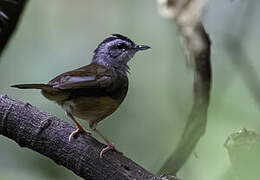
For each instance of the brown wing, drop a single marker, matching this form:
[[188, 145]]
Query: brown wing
[[92, 80], [90, 76]]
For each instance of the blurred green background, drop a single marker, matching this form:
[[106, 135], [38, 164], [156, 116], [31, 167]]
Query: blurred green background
[[57, 36]]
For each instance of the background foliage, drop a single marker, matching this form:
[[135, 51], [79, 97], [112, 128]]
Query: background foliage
[[57, 36]]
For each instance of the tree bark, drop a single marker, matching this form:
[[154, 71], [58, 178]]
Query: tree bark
[[196, 41], [48, 136], [10, 12]]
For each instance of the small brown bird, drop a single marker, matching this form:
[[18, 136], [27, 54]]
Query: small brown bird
[[94, 91]]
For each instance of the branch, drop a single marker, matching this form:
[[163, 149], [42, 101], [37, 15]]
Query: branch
[[243, 149], [196, 42], [48, 136], [10, 12]]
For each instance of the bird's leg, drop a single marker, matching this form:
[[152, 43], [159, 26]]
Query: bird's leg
[[79, 129], [110, 146]]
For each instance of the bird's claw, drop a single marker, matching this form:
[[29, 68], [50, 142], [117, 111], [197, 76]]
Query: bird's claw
[[77, 132], [109, 147]]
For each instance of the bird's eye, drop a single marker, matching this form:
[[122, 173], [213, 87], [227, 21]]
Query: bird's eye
[[122, 46]]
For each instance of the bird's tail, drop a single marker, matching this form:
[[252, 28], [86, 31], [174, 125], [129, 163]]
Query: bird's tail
[[33, 86]]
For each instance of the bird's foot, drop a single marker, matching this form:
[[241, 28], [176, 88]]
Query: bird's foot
[[109, 147], [77, 132]]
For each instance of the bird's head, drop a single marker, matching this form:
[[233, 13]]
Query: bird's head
[[115, 51]]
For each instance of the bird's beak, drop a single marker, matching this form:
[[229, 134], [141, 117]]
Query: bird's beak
[[141, 47]]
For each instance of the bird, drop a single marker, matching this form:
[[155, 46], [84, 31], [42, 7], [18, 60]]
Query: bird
[[94, 91]]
